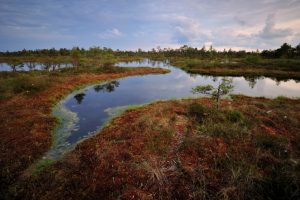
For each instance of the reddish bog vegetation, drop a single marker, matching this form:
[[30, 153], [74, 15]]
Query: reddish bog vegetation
[[26, 123], [183, 150]]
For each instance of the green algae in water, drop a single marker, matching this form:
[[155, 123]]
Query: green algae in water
[[117, 111], [67, 123], [98, 107]]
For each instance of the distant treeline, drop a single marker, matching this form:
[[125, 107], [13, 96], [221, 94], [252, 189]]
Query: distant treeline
[[285, 51]]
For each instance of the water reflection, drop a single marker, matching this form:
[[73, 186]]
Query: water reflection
[[252, 81], [93, 104], [108, 87], [79, 97], [31, 66], [144, 63]]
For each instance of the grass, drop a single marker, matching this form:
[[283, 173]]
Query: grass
[[251, 66], [36, 81], [42, 165], [234, 116], [27, 84], [276, 145], [181, 149], [26, 123], [163, 151], [228, 124], [197, 111]]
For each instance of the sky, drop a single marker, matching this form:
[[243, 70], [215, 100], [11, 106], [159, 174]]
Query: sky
[[147, 24]]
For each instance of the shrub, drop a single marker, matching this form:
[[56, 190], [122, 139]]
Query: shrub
[[29, 84], [281, 182], [21, 83], [192, 142], [276, 145], [253, 59], [108, 64], [281, 98], [234, 116], [218, 125], [228, 131], [192, 63], [42, 165], [197, 111]]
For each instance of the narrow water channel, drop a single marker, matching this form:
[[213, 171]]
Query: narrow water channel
[[84, 112]]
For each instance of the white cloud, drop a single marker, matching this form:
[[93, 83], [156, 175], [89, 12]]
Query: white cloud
[[237, 24], [110, 34], [270, 32], [262, 35], [190, 30]]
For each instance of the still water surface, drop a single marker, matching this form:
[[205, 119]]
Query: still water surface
[[84, 112], [31, 66]]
